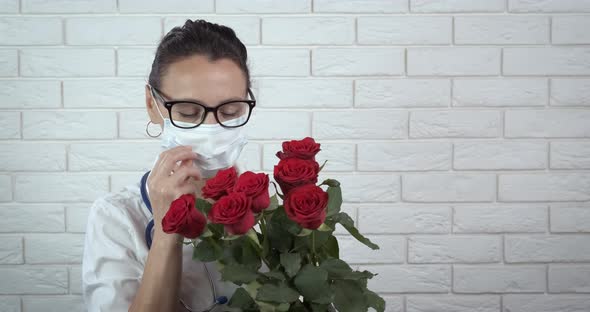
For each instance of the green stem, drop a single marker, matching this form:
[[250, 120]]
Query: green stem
[[313, 253]]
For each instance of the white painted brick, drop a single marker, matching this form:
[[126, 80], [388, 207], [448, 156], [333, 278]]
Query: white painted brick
[[460, 6], [449, 187], [404, 30], [53, 304], [410, 278], [8, 63], [304, 93], [26, 94], [362, 187], [569, 278], [117, 30], [453, 303], [33, 280], [11, 250], [104, 93], [112, 156], [357, 61], [499, 279], [544, 187], [547, 61], [69, 125], [499, 219], [570, 92], [76, 218], [455, 123], [30, 30], [10, 125], [32, 157], [308, 30], [247, 28], [132, 125], [54, 248], [135, 61], [69, 6], [76, 280], [5, 188], [501, 29], [9, 6], [393, 303], [294, 125], [64, 62], [360, 6], [392, 249], [547, 248], [12, 303], [453, 61], [404, 219], [402, 93], [494, 92], [456, 248], [547, 123], [570, 218], [534, 6], [279, 62], [570, 29], [570, 155], [31, 218], [159, 7], [340, 157], [546, 303], [499, 155], [405, 156], [359, 124], [60, 187], [122, 180], [262, 6]]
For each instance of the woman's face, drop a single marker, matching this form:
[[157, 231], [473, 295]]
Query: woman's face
[[196, 78]]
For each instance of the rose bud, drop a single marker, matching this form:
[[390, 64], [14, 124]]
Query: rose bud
[[303, 149], [184, 218], [293, 172], [255, 186], [306, 205], [234, 212], [221, 184]]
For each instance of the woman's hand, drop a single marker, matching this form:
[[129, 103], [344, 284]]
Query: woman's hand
[[173, 175]]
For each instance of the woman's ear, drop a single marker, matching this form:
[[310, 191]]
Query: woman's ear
[[149, 105]]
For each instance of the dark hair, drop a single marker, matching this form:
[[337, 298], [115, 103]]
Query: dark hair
[[198, 37]]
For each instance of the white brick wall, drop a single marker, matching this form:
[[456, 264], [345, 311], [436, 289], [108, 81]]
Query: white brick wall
[[459, 129]]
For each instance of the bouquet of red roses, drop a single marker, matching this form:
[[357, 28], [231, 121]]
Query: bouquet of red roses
[[284, 256]]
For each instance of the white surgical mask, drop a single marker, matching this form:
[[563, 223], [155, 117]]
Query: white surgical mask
[[216, 147]]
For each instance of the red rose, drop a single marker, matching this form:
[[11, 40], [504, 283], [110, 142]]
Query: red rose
[[221, 184], [184, 218], [234, 212], [255, 186], [306, 205], [293, 172], [304, 149]]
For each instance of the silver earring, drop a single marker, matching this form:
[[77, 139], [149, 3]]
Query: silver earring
[[148, 131]]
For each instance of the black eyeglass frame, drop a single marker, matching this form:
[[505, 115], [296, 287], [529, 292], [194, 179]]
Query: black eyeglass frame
[[168, 104]]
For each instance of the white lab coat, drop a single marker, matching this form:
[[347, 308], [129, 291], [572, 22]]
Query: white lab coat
[[115, 254]]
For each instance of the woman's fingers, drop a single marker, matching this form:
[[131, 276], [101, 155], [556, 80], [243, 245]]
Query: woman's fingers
[[182, 174], [168, 159]]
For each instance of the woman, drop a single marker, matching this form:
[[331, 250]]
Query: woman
[[199, 98]]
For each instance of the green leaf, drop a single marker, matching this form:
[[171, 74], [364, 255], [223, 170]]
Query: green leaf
[[338, 269], [331, 182], [280, 293], [334, 200], [206, 233], [291, 262], [277, 190], [242, 300], [203, 206], [238, 274], [277, 229], [375, 301], [322, 166], [325, 228], [305, 232], [348, 296], [347, 222], [274, 203], [275, 275], [241, 251], [312, 283], [207, 250], [331, 247]]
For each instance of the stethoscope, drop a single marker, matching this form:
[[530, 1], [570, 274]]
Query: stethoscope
[[148, 239]]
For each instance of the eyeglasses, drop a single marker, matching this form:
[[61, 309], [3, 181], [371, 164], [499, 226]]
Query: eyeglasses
[[191, 114]]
